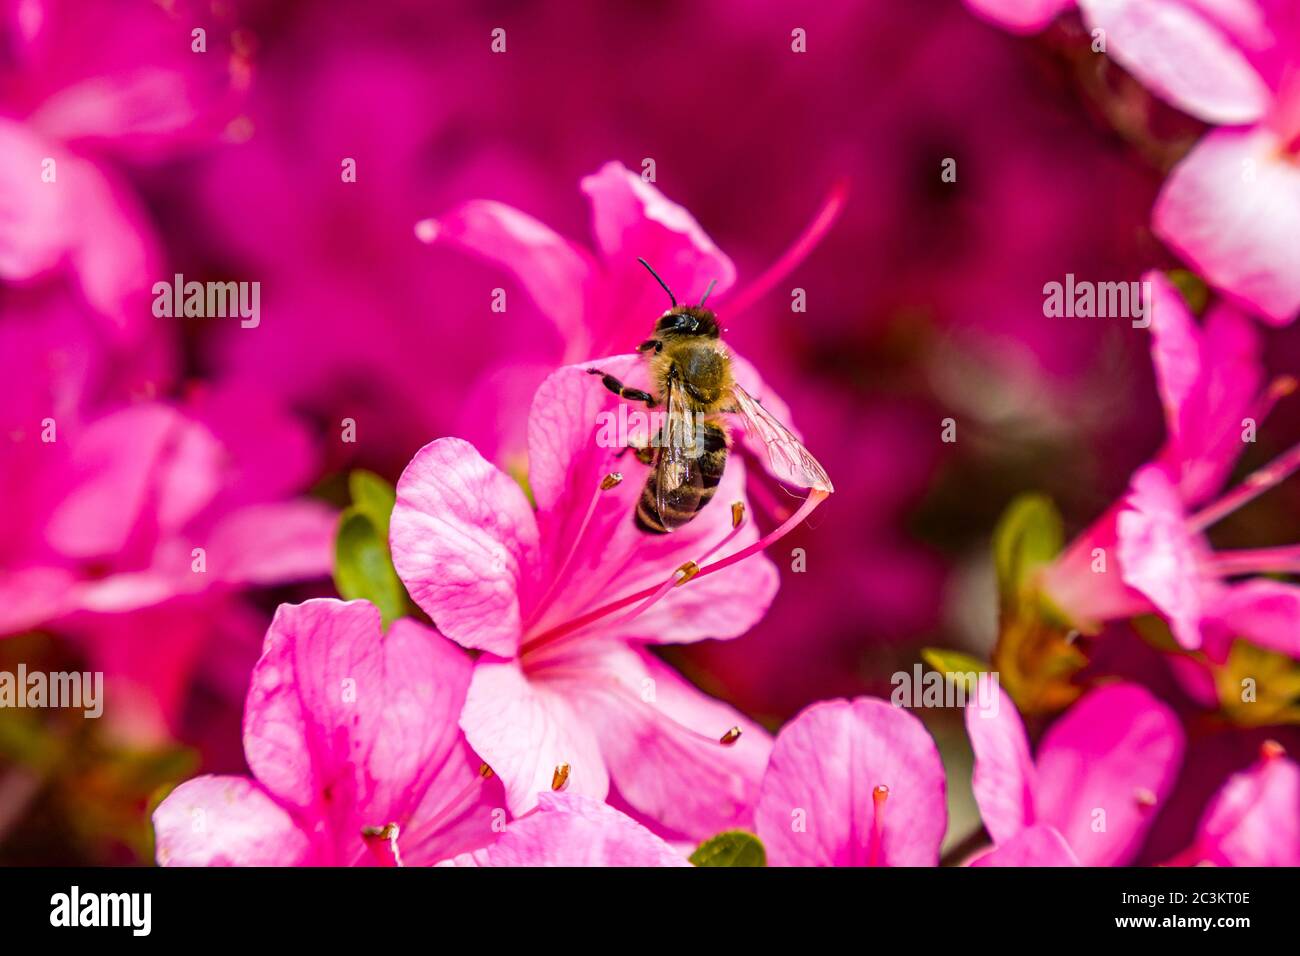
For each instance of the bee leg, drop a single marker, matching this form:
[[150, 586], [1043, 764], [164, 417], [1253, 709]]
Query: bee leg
[[622, 391], [649, 344]]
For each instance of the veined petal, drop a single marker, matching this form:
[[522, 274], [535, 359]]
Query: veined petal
[[349, 725], [465, 543], [819, 803], [661, 740], [526, 730], [227, 821]]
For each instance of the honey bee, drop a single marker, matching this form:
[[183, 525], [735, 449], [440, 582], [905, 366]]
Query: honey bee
[[691, 374]]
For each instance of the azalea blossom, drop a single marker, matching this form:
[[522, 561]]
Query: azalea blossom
[[1211, 387], [563, 598], [351, 736], [1231, 208], [86, 85], [1254, 819], [602, 301], [853, 783], [145, 506], [1093, 788]]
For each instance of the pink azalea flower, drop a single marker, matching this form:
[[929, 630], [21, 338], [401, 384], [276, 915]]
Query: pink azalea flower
[[1232, 207], [85, 82], [1254, 820], [1211, 381], [106, 519], [351, 737], [1101, 773], [563, 597], [853, 783], [568, 829], [601, 302]]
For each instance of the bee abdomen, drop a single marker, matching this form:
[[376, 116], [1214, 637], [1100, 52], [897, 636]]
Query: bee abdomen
[[683, 507]]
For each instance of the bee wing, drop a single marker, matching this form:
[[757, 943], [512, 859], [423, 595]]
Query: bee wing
[[789, 460], [679, 483]]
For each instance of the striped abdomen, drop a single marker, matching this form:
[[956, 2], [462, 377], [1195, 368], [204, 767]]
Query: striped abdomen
[[684, 501]]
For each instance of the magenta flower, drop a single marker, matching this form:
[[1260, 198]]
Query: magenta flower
[[562, 597], [1254, 819], [351, 737], [568, 829], [1232, 206], [145, 505], [1211, 386], [603, 302], [1101, 773], [84, 84], [853, 783]]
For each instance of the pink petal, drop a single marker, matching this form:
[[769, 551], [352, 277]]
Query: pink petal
[[1209, 380], [525, 730], [660, 738], [1161, 557], [573, 444], [1035, 846], [1232, 210], [226, 821], [1004, 776], [1254, 820], [350, 726], [1264, 612], [273, 543], [114, 467], [1182, 55], [572, 830], [1020, 16], [631, 218], [816, 805], [1104, 769], [464, 542], [555, 272]]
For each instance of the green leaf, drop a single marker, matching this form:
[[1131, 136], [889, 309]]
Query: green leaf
[[1029, 535], [948, 662], [373, 497], [363, 568], [732, 848]]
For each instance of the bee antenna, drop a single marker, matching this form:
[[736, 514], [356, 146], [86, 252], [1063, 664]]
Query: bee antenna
[[712, 283], [672, 298]]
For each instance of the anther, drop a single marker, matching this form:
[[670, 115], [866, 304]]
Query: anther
[[687, 571], [485, 772], [1271, 750], [611, 480], [730, 737], [737, 513], [1145, 798], [561, 777]]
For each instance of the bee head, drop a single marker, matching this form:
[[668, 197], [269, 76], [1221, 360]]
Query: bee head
[[687, 320]]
